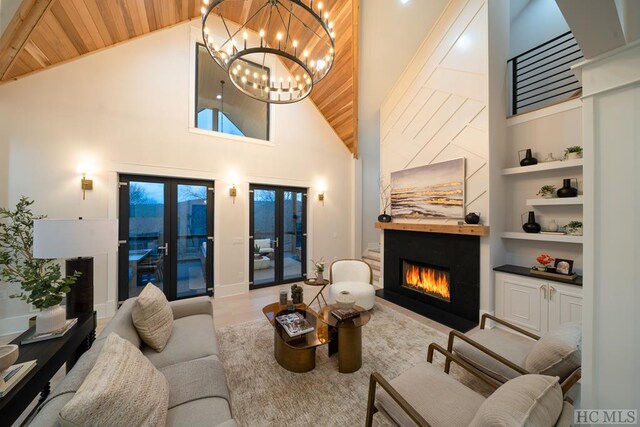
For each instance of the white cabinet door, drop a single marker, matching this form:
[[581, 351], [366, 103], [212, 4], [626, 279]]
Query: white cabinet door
[[565, 304], [522, 301]]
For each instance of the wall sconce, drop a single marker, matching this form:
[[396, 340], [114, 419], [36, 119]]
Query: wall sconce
[[321, 197], [85, 184], [233, 193]]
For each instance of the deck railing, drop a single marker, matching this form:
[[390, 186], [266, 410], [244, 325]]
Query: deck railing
[[542, 75]]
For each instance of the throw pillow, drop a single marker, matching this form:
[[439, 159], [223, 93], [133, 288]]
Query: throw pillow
[[528, 400], [558, 352], [153, 318], [122, 389]]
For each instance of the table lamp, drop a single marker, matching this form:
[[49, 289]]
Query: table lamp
[[78, 240]]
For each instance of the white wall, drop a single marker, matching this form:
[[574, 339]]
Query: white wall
[[127, 110], [538, 22], [438, 110], [383, 56], [611, 345]]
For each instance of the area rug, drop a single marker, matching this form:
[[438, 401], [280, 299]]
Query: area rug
[[265, 394]]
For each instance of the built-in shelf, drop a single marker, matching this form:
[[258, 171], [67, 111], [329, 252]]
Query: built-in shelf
[[526, 271], [547, 166], [563, 238], [469, 230], [556, 201]]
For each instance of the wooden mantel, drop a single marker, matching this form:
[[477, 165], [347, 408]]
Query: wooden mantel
[[469, 230]]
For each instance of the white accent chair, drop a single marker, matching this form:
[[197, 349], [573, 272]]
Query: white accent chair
[[265, 246], [354, 276]]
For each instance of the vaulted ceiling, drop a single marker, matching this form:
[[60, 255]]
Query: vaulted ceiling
[[47, 32]]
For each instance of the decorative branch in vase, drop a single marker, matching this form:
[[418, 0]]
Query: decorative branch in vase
[[319, 269], [385, 200], [41, 281]]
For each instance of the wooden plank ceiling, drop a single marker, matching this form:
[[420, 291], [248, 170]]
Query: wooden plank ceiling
[[48, 32]]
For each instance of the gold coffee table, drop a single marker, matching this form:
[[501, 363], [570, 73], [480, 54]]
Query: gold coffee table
[[346, 337], [296, 354]]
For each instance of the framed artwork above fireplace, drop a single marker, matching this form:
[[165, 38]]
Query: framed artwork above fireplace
[[431, 191]]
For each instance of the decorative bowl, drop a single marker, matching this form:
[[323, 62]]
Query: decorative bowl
[[345, 300], [8, 356]]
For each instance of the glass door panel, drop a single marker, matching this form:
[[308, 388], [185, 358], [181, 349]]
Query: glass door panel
[[293, 236], [191, 240], [147, 241], [166, 236], [278, 235], [265, 243]]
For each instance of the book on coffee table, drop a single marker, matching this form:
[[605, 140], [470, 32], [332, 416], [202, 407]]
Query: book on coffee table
[[294, 324], [49, 335], [13, 374], [345, 313]]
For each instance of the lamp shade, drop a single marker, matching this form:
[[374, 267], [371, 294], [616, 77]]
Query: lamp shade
[[62, 238]]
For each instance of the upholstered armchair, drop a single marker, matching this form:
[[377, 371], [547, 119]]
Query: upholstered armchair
[[354, 276], [426, 396], [504, 355]]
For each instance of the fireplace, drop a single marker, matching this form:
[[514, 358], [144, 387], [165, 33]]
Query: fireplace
[[434, 274], [427, 280]]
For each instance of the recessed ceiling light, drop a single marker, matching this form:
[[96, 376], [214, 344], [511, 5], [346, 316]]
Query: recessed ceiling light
[[404, 1]]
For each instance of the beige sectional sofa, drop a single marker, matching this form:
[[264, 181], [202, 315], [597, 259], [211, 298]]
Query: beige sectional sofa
[[198, 387]]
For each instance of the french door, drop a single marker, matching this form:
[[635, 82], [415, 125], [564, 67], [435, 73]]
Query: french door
[[166, 236], [278, 235]]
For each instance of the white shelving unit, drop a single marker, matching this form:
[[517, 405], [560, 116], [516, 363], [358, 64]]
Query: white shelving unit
[[541, 167], [560, 238], [556, 201]]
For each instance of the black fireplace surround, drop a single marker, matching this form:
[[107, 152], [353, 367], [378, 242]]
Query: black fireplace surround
[[458, 254]]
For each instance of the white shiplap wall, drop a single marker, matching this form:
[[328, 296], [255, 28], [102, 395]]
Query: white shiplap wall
[[438, 109]]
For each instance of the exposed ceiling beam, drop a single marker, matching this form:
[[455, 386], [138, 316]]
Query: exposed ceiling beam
[[27, 17], [246, 8]]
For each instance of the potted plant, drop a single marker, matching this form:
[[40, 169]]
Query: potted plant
[[574, 228], [256, 252], [40, 279], [385, 201], [319, 268], [543, 262], [547, 191], [296, 293], [574, 152]]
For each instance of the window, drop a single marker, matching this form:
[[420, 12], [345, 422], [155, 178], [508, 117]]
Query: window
[[221, 107]]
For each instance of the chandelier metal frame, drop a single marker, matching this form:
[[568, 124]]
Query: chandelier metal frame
[[228, 54]]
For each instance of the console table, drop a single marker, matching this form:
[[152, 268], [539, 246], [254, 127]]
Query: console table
[[50, 356]]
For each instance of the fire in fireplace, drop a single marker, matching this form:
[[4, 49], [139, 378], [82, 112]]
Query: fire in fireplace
[[427, 280]]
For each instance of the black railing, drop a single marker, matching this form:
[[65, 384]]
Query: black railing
[[542, 75]]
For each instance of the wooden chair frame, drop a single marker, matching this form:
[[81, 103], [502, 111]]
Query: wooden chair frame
[[377, 379], [572, 379]]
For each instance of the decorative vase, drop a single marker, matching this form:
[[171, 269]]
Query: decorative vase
[[297, 298], [567, 190], [574, 156], [574, 231], [528, 160], [8, 356], [472, 218], [552, 226], [384, 217], [547, 195], [531, 226], [319, 276], [345, 300], [51, 319]]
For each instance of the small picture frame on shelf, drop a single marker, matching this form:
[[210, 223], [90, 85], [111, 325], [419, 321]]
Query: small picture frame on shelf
[[563, 266]]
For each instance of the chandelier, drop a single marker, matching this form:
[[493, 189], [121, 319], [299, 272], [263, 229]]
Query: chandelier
[[280, 50]]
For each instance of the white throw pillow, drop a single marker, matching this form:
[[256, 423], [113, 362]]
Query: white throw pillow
[[122, 389], [153, 318], [558, 352], [528, 400]]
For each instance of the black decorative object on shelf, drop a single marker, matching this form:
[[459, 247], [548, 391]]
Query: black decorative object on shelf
[[384, 217], [531, 226], [528, 160], [472, 218], [567, 190]]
